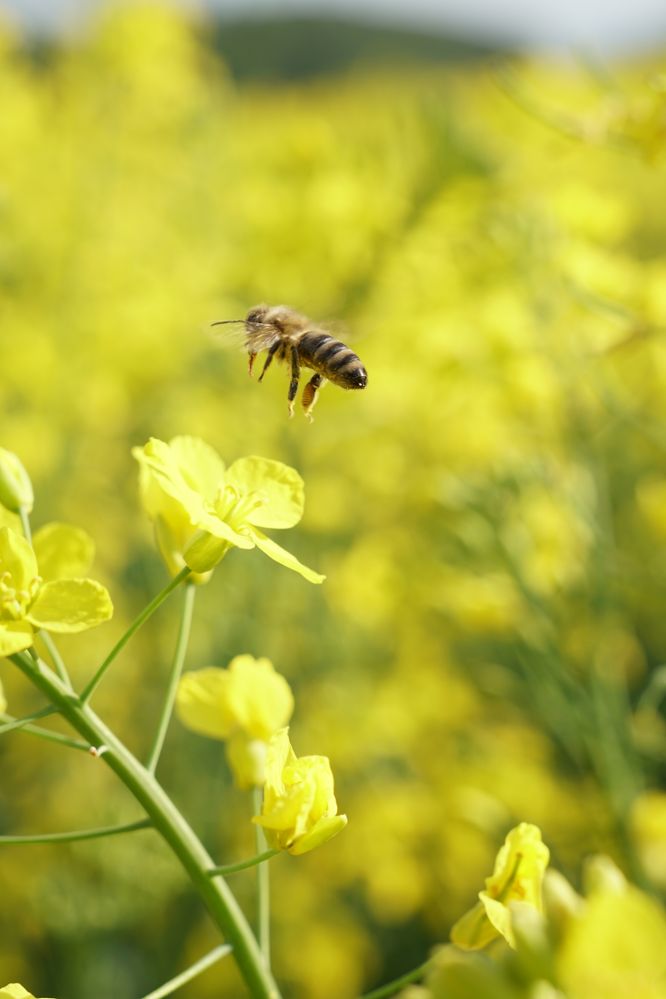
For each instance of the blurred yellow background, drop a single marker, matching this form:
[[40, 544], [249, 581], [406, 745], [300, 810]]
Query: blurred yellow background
[[490, 512]]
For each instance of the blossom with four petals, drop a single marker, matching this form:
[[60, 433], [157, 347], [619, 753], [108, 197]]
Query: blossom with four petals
[[43, 586], [201, 509]]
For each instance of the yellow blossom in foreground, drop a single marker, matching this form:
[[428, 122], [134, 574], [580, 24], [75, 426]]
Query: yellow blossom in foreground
[[299, 811], [15, 991], [244, 704], [517, 878], [615, 947], [36, 594], [201, 509]]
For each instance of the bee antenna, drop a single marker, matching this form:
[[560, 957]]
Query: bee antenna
[[224, 322]]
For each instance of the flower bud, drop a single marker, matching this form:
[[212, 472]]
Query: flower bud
[[15, 485]]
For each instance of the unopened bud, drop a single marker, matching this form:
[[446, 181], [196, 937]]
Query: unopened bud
[[15, 485]]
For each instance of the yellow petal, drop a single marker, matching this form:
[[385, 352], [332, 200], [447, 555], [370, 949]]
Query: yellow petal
[[15, 636], [320, 833], [70, 605], [473, 930], [201, 702], [280, 487], [17, 558], [62, 551], [284, 557]]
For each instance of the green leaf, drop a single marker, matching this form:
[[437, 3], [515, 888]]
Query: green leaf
[[70, 605]]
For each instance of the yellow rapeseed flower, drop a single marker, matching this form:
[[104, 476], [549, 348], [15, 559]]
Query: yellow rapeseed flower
[[517, 878], [299, 811], [35, 595], [244, 705], [202, 509]]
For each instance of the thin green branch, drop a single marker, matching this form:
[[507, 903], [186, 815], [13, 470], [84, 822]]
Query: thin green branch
[[243, 865], [147, 612], [24, 725], [10, 723], [263, 884], [391, 988], [186, 976], [174, 676], [52, 649], [75, 835]]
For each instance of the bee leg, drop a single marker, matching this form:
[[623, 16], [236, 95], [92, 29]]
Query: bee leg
[[250, 362], [269, 358], [293, 384], [310, 394]]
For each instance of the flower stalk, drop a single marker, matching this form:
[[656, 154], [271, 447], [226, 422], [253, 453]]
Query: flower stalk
[[168, 823]]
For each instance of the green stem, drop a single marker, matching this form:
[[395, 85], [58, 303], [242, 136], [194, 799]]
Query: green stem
[[23, 725], [263, 884], [186, 976], [167, 821], [391, 988], [243, 865], [174, 677], [76, 835], [11, 723], [52, 649], [147, 612], [25, 523]]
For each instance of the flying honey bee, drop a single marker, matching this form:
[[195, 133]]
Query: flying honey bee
[[295, 340]]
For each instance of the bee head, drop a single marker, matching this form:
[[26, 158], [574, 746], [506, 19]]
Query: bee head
[[256, 315]]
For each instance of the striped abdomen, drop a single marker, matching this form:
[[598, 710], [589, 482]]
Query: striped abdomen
[[332, 359]]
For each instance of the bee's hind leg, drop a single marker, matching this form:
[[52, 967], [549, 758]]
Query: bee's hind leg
[[250, 362], [310, 395], [293, 384]]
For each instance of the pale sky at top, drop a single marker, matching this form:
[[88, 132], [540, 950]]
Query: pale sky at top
[[595, 25]]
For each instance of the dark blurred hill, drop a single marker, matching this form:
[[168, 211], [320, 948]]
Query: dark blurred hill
[[293, 48]]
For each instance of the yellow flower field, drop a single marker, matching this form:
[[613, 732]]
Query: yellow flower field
[[489, 513]]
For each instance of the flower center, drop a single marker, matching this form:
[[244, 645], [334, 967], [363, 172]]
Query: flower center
[[14, 601], [234, 506]]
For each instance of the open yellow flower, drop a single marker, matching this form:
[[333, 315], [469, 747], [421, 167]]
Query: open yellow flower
[[244, 704], [517, 878], [201, 509], [299, 811], [41, 587]]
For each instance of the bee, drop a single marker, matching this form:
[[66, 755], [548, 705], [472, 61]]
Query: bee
[[293, 339]]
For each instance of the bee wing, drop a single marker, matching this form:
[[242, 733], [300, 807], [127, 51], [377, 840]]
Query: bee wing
[[236, 333]]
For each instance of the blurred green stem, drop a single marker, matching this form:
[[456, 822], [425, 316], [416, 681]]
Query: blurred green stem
[[391, 988], [174, 676], [76, 835], [147, 612], [167, 820], [186, 976], [263, 883], [24, 725], [243, 865]]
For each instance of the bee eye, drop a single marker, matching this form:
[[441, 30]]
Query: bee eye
[[254, 316]]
